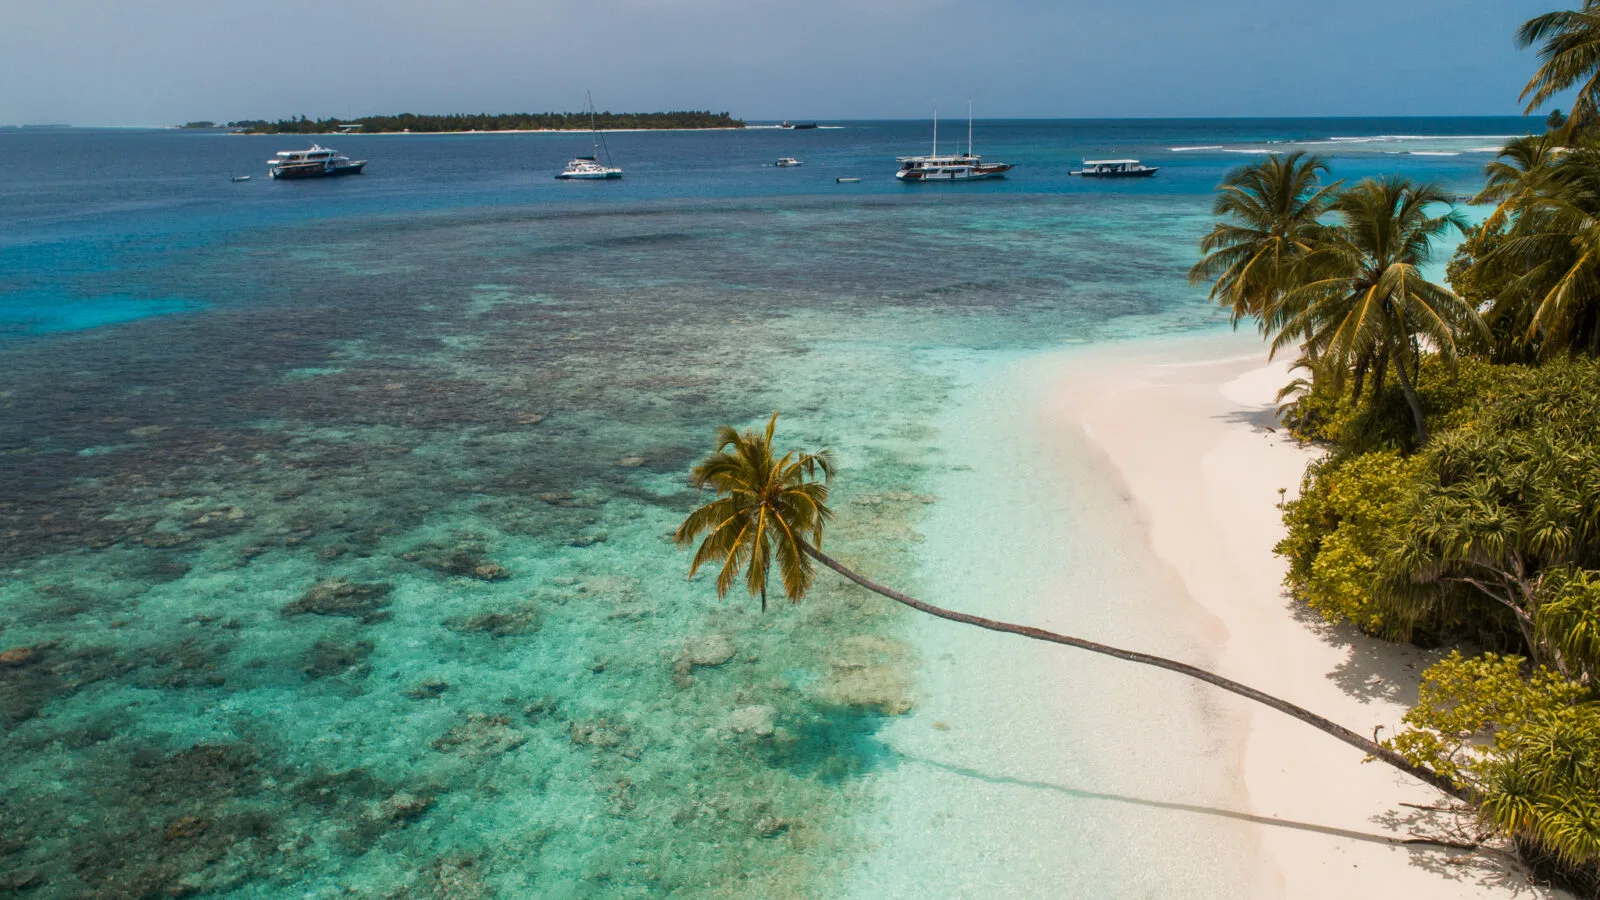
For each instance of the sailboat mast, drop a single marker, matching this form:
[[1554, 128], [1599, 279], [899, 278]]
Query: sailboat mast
[[969, 126], [594, 133], [936, 131]]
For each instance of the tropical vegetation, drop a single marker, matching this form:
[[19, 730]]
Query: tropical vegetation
[[1458, 502], [578, 121]]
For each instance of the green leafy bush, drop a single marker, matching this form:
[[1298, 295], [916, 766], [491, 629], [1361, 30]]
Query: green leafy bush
[[1338, 530]]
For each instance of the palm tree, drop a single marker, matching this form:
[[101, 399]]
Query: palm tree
[[1362, 299], [1569, 53], [783, 499], [1549, 260], [1270, 211], [766, 508], [1519, 168]]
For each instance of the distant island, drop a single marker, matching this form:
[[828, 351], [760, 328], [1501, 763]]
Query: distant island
[[486, 122]]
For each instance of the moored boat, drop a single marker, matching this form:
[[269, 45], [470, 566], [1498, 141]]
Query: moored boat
[[1115, 168], [318, 162], [590, 168], [959, 167]]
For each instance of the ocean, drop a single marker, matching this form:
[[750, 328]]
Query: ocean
[[337, 513]]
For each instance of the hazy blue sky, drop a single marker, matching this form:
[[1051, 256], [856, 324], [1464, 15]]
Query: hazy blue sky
[[126, 62]]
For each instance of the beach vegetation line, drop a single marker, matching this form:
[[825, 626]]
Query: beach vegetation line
[[1459, 502], [459, 122]]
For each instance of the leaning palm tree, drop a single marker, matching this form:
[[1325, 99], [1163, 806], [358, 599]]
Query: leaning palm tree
[[1569, 54], [784, 500], [1270, 213], [1363, 297], [766, 508]]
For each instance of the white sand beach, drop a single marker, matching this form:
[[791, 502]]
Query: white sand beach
[[1189, 426]]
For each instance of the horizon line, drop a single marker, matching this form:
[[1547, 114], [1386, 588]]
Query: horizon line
[[20, 126]]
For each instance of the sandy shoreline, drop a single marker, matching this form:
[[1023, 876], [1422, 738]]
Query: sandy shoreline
[[1189, 427]]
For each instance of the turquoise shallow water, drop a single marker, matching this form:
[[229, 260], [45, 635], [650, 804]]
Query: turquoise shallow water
[[335, 525]]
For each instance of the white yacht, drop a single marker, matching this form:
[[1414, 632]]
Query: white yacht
[[1115, 168], [959, 167], [785, 162], [317, 162], [589, 168]]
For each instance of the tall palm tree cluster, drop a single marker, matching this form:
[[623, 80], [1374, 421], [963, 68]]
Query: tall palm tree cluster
[[1536, 262], [1336, 271]]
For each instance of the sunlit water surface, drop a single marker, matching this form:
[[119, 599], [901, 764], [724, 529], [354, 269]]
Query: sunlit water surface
[[337, 514]]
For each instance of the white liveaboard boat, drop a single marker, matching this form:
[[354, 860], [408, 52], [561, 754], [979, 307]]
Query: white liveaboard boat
[[589, 168], [960, 167], [1115, 168], [318, 162], [785, 162]]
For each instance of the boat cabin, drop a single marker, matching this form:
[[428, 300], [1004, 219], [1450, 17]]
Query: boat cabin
[[1114, 168]]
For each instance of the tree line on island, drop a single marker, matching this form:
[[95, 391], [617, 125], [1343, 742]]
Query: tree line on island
[[1459, 502], [490, 122]]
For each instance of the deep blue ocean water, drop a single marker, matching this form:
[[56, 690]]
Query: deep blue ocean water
[[83, 211], [336, 512]]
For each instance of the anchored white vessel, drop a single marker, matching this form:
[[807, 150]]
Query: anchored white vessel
[[589, 168], [960, 167], [1115, 168], [314, 163], [785, 162]]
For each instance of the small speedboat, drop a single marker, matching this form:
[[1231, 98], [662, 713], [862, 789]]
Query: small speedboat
[[846, 180], [241, 178], [785, 162]]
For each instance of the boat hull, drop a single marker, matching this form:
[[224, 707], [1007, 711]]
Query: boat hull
[[588, 176], [1143, 173], [977, 173], [292, 173]]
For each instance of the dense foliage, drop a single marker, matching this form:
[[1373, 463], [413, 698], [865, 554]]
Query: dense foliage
[[493, 122], [1459, 502], [1470, 534]]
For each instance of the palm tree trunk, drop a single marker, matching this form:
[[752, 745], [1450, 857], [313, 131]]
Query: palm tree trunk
[[1371, 748], [1412, 400]]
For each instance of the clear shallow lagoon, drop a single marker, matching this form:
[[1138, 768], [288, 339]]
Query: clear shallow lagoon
[[335, 513]]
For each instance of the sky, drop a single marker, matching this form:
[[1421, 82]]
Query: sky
[[157, 62]]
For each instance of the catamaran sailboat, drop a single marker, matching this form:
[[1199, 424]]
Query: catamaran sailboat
[[961, 167], [589, 168]]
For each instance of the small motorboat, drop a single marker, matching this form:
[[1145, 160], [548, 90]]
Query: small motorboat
[[1115, 168], [241, 178], [785, 162], [846, 180]]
